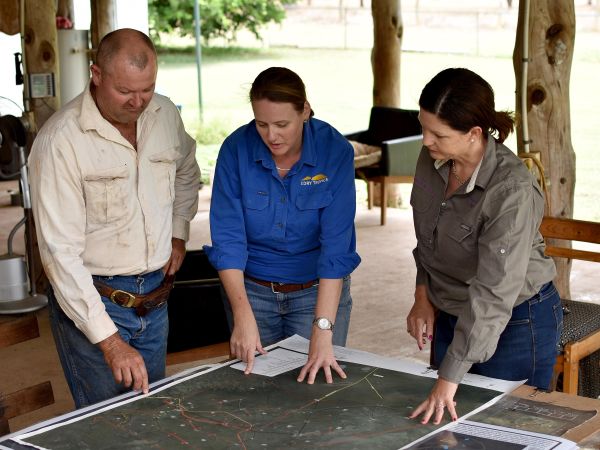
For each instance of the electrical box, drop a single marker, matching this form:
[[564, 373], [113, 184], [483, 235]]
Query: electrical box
[[41, 85]]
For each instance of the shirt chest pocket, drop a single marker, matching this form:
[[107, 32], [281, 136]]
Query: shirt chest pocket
[[164, 167], [463, 235], [309, 207], [314, 201], [106, 193], [256, 215]]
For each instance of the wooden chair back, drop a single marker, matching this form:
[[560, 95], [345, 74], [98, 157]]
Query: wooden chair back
[[570, 230], [581, 332]]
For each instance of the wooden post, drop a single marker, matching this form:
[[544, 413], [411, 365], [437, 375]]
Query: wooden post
[[41, 56], [385, 62], [103, 20], [385, 56], [65, 9], [551, 41], [9, 18]]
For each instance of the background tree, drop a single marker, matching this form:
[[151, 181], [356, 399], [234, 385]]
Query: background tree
[[219, 18]]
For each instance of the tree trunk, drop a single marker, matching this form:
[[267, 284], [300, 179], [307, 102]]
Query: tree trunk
[[385, 62], [551, 42], [103, 20]]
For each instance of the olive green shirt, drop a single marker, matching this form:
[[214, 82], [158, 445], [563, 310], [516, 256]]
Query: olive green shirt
[[479, 252]]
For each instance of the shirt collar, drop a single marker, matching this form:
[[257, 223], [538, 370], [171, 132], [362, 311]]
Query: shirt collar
[[262, 153], [485, 167], [90, 117]]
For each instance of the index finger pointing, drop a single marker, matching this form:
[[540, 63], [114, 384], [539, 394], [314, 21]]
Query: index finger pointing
[[250, 364]]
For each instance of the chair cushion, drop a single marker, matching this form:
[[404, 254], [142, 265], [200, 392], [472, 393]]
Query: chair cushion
[[580, 319], [365, 155]]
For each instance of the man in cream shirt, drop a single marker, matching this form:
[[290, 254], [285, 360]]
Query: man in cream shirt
[[114, 184]]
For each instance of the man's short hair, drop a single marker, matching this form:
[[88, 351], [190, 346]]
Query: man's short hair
[[117, 40]]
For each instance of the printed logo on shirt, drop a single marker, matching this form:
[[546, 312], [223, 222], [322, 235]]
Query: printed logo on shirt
[[317, 179]]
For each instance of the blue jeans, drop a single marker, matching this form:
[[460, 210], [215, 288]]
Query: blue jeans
[[88, 376], [279, 316], [528, 345]]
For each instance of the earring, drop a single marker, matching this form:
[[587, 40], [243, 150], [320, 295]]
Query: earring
[[472, 140]]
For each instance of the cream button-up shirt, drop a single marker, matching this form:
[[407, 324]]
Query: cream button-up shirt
[[103, 208]]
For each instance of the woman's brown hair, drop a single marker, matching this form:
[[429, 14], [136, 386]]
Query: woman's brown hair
[[464, 100]]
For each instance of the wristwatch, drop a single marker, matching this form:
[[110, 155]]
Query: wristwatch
[[323, 323]]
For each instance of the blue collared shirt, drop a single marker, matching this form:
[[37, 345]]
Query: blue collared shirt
[[292, 229]]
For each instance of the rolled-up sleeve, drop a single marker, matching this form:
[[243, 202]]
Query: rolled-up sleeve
[[227, 227], [504, 248], [338, 256]]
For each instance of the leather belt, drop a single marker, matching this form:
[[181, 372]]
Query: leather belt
[[141, 302], [283, 288]]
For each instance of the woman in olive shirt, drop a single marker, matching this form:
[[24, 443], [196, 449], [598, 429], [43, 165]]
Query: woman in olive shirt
[[481, 269]]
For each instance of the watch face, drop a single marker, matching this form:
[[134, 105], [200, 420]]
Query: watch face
[[324, 323]]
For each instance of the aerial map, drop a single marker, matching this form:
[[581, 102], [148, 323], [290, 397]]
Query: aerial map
[[223, 408]]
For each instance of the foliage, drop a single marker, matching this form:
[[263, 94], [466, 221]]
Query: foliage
[[218, 18], [213, 132]]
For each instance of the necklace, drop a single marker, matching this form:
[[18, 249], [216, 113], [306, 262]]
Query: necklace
[[285, 170], [459, 179]]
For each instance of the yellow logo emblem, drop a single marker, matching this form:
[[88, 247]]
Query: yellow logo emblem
[[316, 179]]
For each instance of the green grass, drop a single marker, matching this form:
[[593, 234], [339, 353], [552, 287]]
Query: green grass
[[339, 87]]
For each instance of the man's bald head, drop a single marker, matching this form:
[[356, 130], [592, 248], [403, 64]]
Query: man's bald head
[[137, 49], [124, 76]]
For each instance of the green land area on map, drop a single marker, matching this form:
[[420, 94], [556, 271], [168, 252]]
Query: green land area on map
[[226, 409]]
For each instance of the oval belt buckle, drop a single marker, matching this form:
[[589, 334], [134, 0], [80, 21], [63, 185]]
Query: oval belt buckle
[[128, 304]]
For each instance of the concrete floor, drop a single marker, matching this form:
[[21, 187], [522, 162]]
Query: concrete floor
[[382, 289]]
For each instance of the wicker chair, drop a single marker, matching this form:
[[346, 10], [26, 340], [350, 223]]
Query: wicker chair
[[579, 362], [397, 133]]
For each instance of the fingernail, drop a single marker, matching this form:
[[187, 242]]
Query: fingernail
[[430, 337]]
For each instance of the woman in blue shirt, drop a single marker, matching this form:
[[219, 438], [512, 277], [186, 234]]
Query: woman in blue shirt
[[282, 226]]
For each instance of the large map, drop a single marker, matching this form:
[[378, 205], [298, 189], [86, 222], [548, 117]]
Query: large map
[[223, 408]]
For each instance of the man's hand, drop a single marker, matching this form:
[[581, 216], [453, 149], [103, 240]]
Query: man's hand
[[176, 259], [126, 363]]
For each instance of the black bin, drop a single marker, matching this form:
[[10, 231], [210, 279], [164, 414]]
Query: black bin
[[196, 314]]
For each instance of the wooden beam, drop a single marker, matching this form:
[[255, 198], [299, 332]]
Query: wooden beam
[[27, 400], [15, 329]]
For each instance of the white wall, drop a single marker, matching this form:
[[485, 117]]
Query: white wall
[[8, 89]]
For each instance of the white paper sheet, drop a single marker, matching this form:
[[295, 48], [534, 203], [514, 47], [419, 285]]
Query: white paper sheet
[[490, 436], [275, 362]]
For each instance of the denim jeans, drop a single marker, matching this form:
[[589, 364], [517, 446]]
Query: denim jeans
[[88, 376], [279, 316], [528, 345]]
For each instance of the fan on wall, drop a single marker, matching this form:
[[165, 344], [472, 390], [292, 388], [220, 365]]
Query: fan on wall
[[17, 288]]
